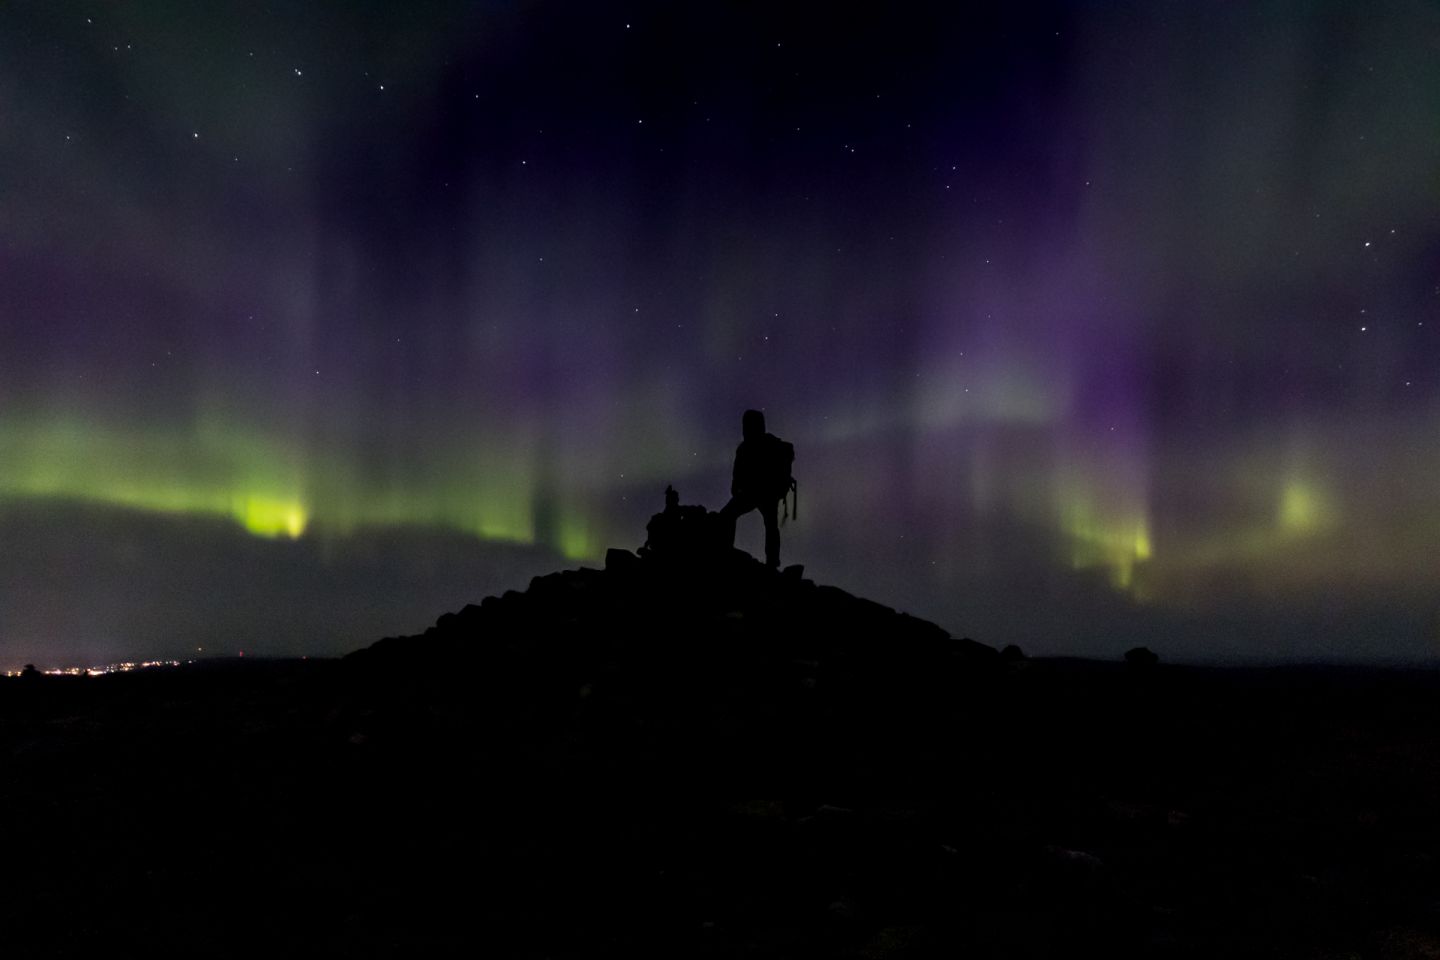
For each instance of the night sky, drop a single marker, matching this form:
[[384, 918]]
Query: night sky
[[1094, 325]]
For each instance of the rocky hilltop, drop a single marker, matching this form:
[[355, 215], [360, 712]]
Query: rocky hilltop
[[687, 754], [693, 664]]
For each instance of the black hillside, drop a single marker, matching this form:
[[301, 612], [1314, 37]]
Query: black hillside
[[688, 673], [691, 755]]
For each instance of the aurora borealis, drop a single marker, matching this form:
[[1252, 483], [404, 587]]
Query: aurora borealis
[[1093, 324]]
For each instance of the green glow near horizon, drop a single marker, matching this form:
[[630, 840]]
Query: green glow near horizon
[[156, 471], [272, 518], [1117, 545], [1304, 508], [269, 491], [1105, 530], [575, 541], [275, 489]]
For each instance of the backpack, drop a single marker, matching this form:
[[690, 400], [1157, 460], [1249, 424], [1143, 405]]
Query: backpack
[[781, 470]]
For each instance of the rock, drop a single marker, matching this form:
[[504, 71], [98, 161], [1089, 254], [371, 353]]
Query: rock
[[897, 941], [1012, 653], [1141, 657], [759, 809], [1078, 862], [620, 561], [684, 532], [967, 649]]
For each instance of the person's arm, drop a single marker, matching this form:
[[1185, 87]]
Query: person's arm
[[735, 473]]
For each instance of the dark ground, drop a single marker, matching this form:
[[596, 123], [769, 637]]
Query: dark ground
[[627, 763]]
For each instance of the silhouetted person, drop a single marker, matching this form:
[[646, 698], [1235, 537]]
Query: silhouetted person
[[760, 481]]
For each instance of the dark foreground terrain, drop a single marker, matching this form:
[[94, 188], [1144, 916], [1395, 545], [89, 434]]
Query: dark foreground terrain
[[658, 760]]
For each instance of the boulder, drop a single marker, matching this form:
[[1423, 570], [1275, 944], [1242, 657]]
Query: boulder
[[620, 561], [1141, 657]]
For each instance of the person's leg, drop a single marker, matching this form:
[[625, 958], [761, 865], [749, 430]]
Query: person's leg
[[730, 512], [772, 532]]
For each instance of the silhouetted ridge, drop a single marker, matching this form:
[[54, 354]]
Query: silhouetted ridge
[[635, 593], [640, 601], [687, 754], [692, 652]]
